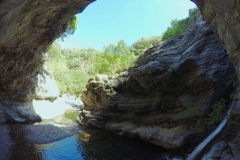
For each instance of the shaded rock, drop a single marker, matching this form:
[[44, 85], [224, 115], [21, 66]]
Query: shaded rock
[[27, 29], [223, 17], [169, 138], [20, 112], [151, 100], [233, 149], [216, 151], [6, 142]]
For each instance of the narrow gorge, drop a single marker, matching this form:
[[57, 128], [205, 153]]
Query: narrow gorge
[[163, 99]]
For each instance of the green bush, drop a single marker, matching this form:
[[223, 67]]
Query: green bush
[[114, 59], [180, 26], [70, 68], [143, 44], [190, 111], [218, 113]]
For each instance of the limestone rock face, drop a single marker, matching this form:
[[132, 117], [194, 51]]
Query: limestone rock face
[[163, 98], [27, 28], [224, 18]]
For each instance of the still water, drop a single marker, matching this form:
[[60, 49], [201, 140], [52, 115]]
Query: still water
[[88, 144]]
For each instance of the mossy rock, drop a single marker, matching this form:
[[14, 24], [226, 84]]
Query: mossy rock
[[71, 114]]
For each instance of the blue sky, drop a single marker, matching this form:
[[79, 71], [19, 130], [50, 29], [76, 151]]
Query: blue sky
[[106, 22]]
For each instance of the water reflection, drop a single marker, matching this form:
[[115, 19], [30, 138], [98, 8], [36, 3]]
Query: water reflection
[[65, 149], [22, 149], [89, 144], [101, 145]]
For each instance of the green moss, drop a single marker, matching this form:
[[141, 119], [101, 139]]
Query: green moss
[[190, 111], [71, 115]]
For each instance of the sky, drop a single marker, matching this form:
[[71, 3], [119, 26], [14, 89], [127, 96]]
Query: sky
[[106, 22]]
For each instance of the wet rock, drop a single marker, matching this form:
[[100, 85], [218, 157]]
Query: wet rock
[[169, 138], [151, 100], [216, 151], [6, 142], [14, 117], [20, 112]]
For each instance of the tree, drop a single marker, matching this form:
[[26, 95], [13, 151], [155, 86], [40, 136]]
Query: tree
[[114, 59], [143, 44], [180, 26], [71, 27], [54, 51]]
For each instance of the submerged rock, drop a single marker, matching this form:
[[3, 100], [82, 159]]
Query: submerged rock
[[164, 97]]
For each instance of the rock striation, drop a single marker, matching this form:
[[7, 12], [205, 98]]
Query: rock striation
[[164, 97], [27, 28], [224, 18]]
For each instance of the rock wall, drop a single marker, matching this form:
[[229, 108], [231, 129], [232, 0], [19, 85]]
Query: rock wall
[[164, 97], [27, 28], [224, 18]]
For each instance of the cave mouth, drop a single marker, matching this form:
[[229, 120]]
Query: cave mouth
[[28, 28], [129, 33]]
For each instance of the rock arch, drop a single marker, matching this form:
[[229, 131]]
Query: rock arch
[[27, 28]]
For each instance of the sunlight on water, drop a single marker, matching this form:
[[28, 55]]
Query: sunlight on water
[[66, 149], [102, 146]]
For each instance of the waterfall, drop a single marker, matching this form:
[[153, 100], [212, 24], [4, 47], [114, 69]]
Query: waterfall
[[203, 144]]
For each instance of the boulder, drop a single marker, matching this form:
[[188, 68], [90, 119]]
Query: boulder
[[226, 146], [164, 98], [217, 151]]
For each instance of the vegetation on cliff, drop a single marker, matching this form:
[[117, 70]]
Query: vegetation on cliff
[[180, 26], [73, 67], [71, 27]]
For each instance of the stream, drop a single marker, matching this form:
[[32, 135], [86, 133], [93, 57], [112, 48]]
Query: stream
[[18, 142], [50, 141]]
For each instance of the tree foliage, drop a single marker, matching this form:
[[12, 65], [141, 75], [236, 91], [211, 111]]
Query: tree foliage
[[73, 67], [114, 59], [71, 27], [180, 26], [143, 44], [70, 68], [218, 113]]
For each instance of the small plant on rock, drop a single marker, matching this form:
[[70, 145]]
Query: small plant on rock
[[217, 114]]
